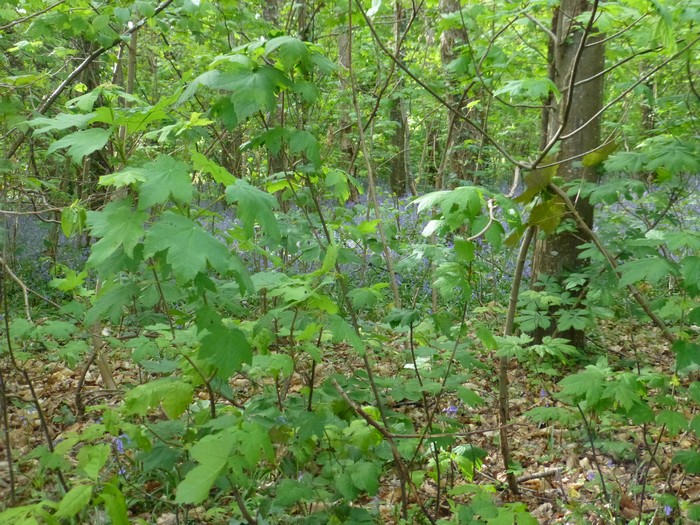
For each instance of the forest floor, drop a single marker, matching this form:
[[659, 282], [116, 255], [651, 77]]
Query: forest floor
[[560, 479]]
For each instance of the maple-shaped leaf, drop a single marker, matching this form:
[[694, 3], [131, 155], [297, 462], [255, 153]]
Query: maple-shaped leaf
[[166, 177], [254, 207], [60, 122], [650, 269], [305, 142], [119, 225], [81, 143], [547, 215], [189, 246], [253, 90], [587, 384], [226, 349], [291, 51], [125, 177]]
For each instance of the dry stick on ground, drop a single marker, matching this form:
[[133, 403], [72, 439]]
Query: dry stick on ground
[[503, 361], [641, 301]]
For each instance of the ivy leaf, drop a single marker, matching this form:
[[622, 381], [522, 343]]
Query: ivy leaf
[[254, 207], [189, 247], [165, 177], [650, 269], [119, 225], [82, 143]]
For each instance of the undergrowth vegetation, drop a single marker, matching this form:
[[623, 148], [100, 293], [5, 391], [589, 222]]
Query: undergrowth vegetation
[[189, 343]]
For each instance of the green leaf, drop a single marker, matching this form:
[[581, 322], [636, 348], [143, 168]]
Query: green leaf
[[213, 453], [110, 302], [115, 504], [205, 165], [651, 270], [690, 459], [91, 459], [119, 225], [254, 90], [547, 215], [290, 50], [305, 142], [586, 385], [60, 122], [343, 332], [675, 422], [174, 394], [126, 177], [166, 177], [226, 349], [687, 357], [690, 269], [189, 247], [254, 207], [82, 143], [75, 500], [291, 491], [365, 476]]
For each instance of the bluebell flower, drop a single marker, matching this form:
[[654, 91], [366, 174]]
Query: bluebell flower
[[590, 476], [668, 510], [451, 411]]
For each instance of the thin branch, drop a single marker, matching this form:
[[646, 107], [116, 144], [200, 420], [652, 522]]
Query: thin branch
[[29, 17], [435, 95], [569, 90], [48, 102], [614, 101], [613, 263]]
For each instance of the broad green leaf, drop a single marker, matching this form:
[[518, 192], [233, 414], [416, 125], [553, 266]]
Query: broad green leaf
[[650, 269], [305, 142], [291, 491], [91, 459], [110, 302], [125, 177], [586, 385], [690, 459], [675, 422], [365, 476], [547, 215], [226, 349], [691, 274], [290, 50], [60, 122], [213, 453], [166, 177], [205, 165], [254, 207], [75, 500], [118, 225], [189, 247], [174, 395], [687, 357], [343, 332], [115, 504], [82, 143]]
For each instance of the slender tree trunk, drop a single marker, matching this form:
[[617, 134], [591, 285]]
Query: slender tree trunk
[[459, 162], [397, 114], [582, 55]]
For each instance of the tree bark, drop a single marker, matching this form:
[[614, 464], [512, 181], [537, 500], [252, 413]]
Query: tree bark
[[581, 55]]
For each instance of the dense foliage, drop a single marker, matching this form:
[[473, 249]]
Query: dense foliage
[[279, 255]]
